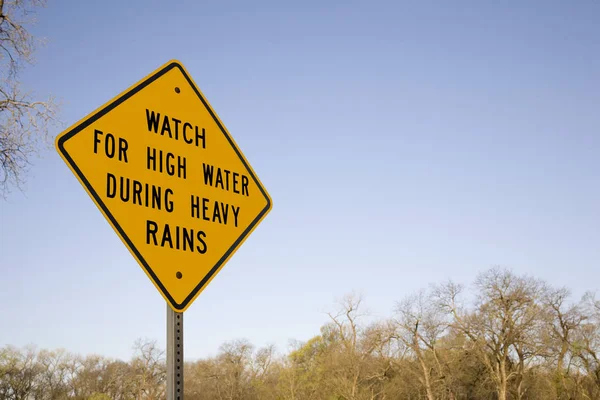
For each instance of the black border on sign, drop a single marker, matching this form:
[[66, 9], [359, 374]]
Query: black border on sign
[[110, 107]]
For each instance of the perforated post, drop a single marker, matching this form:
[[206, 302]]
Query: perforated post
[[174, 355]]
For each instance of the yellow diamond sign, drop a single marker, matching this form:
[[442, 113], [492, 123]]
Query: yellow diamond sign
[[169, 178]]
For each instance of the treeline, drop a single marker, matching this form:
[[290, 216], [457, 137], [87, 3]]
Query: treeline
[[514, 337]]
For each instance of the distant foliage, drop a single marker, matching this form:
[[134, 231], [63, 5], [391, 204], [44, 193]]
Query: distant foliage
[[518, 339]]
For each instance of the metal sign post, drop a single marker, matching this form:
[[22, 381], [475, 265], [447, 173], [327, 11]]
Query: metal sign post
[[168, 177], [174, 354]]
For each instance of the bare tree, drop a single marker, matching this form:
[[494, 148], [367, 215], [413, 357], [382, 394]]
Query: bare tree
[[346, 328], [421, 327], [24, 121], [54, 371], [588, 344], [150, 370], [563, 323], [19, 373], [231, 371], [355, 370], [502, 325], [262, 369]]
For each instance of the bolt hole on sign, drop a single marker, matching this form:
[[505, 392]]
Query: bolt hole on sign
[[169, 178]]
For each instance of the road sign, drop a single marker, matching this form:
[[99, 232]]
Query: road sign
[[169, 178]]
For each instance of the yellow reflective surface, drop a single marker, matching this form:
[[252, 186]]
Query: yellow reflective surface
[[164, 171]]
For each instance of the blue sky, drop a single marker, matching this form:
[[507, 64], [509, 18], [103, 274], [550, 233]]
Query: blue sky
[[403, 143]]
